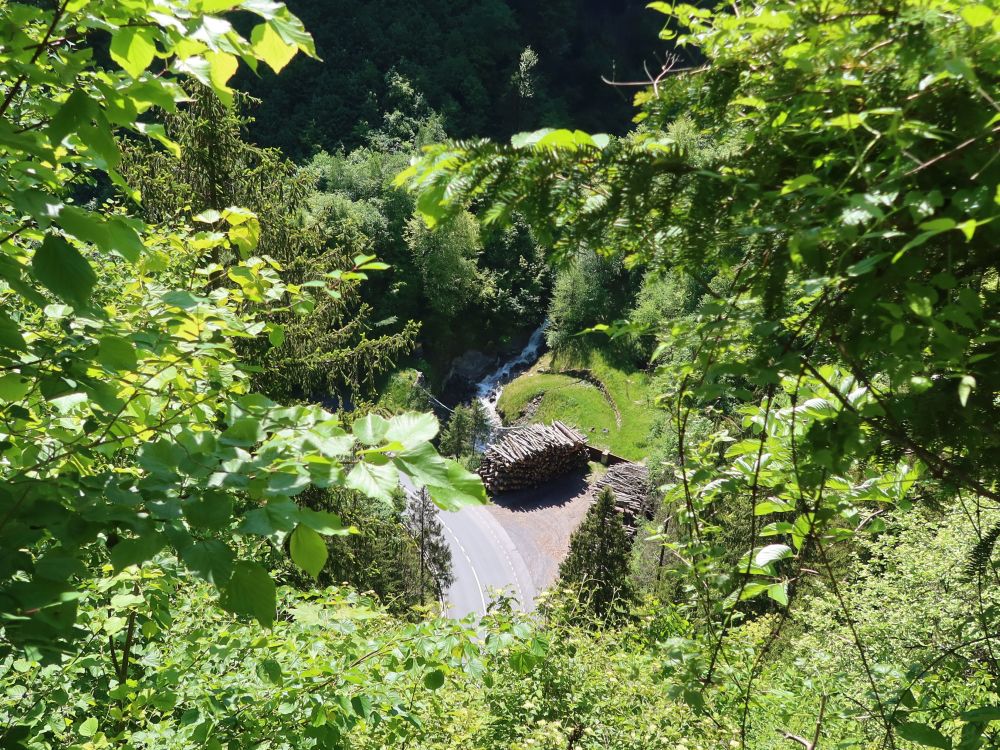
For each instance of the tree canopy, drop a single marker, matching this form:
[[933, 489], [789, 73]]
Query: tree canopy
[[130, 432], [779, 289], [827, 178]]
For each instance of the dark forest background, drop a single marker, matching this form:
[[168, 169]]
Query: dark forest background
[[466, 57]]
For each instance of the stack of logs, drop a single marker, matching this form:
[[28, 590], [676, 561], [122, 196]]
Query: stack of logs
[[633, 495], [531, 455]]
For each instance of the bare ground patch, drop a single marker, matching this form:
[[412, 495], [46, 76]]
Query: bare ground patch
[[540, 521]]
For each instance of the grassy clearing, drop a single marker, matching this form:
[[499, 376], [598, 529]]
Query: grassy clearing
[[401, 392], [566, 398], [582, 404]]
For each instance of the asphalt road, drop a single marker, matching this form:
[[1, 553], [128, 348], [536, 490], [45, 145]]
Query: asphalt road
[[484, 560]]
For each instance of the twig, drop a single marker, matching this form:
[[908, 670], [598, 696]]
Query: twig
[[669, 66], [34, 58], [814, 743], [946, 154]]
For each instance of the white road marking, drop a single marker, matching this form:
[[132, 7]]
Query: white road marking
[[479, 585], [510, 564]]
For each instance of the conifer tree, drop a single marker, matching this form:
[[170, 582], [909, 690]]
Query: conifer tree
[[337, 348], [468, 428], [435, 572], [598, 560]]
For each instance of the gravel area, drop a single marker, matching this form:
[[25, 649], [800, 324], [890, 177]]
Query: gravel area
[[540, 521]]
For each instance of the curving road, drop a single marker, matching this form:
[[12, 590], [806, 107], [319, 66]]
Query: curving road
[[484, 561]]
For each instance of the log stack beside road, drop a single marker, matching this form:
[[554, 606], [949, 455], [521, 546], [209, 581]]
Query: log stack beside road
[[531, 455], [633, 495]]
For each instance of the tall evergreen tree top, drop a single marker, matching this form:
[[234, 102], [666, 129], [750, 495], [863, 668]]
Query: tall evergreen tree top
[[598, 559]]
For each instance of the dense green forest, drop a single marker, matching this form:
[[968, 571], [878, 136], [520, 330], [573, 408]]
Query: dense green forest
[[255, 259], [490, 67]]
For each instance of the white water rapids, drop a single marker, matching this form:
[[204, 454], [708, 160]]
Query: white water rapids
[[488, 389]]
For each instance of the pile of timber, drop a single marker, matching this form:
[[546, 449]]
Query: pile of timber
[[633, 494], [531, 455]]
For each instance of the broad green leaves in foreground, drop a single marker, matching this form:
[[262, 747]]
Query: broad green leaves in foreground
[[129, 438]]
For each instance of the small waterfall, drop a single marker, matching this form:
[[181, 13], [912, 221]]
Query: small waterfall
[[488, 389]]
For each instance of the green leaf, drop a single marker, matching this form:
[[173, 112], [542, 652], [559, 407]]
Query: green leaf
[[524, 140], [938, 225], [76, 110], [134, 48], [114, 625], [39, 205], [564, 139], [245, 432], [14, 387], [848, 120], [923, 734], [865, 266], [798, 183], [221, 67], [370, 429], [772, 505], [965, 387], [434, 679], [275, 334], [752, 590], [244, 229], [323, 522], [772, 553], [522, 662], [250, 592], [921, 305], [270, 670], [272, 519], [362, 706], [423, 464], [157, 132], [161, 457], [86, 226], [982, 714], [411, 429], [136, 551], [308, 550], [100, 141], [126, 601], [977, 15], [270, 47], [63, 271], [217, 6], [10, 334], [377, 481], [461, 488], [117, 354], [288, 482], [124, 240], [213, 510], [432, 204], [779, 593], [212, 560], [89, 727], [292, 31], [208, 216]]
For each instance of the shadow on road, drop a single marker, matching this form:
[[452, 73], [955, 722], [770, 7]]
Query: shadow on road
[[553, 493]]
